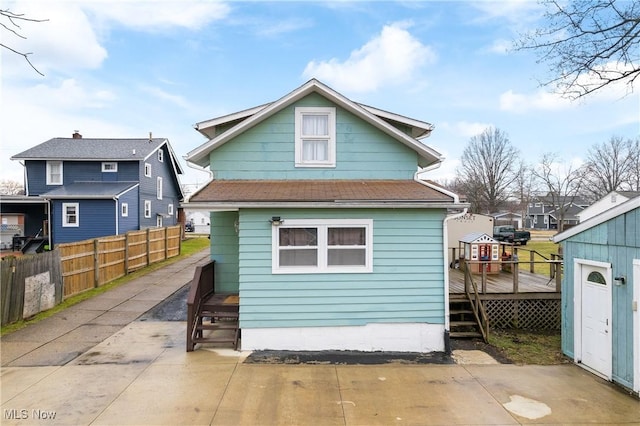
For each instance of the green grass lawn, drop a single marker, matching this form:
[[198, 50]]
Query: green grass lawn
[[542, 250], [190, 246], [528, 347]]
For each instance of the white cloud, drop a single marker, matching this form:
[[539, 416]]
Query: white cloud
[[464, 128], [516, 12], [500, 47], [274, 29], [156, 15], [394, 56], [540, 100], [159, 93]]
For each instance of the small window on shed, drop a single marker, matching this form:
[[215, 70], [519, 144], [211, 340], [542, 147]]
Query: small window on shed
[[596, 278]]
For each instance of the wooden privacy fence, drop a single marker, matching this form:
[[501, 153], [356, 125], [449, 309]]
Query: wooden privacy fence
[[30, 284], [34, 283], [92, 263]]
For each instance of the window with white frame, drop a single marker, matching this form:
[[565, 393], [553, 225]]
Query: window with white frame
[[147, 208], [54, 172], [323, 246], [70, 214], [124, 209], [159, 221], [110, 167], [170, 210], [147, 169], [315, 129], [159, 188], [160, 155]]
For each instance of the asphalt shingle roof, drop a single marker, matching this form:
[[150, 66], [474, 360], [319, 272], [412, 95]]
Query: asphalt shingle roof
[[97, 190], [92, 149], [317, 191]]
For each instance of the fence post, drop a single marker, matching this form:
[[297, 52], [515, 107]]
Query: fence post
[[484, 277], [166, 243], [558, 268], [531, 261], [96, 263], [148, 246], [126, 253]]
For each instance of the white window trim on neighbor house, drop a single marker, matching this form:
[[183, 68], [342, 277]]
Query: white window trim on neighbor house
[[109, 167], [147, 208], [170, 209], [147, 169], [124, 209], [159, 221], [159, 188], [70, 215], [329, 137], [322, 226], [57, 178], [160, 155]]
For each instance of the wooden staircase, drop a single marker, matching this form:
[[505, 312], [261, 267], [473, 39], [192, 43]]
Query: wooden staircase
[[462, 322], [467, 317]]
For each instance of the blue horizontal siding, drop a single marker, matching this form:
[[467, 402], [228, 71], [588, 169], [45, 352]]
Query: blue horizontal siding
[[616, 242], [96, 218], [406, 285]]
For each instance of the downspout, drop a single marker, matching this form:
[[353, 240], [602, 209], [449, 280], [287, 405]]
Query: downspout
[[117, 217], [49, 223], [445, 247]]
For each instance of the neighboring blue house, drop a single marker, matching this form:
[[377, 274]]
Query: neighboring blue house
[[320, 222], [99, 187], [601, 293], [544, 214]]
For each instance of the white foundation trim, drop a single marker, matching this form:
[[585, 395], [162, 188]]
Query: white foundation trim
[[388, 337]]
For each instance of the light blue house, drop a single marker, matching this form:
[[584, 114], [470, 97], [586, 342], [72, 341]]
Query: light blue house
[[600, 294], [319, 221]]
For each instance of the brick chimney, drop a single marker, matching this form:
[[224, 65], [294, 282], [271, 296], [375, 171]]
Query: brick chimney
[[76, 134]]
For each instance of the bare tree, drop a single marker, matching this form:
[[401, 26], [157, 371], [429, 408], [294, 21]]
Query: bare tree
[[11, 187], [608, 167], [588, 44], [489, 167], [526, 186], [10, 22], [634, 165], [563, 184]]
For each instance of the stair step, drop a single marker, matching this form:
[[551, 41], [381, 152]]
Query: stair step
[[217, 326], [464, 334], [460, 311], [463, 323]]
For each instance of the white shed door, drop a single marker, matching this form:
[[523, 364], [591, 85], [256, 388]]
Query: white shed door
[[596, 324]]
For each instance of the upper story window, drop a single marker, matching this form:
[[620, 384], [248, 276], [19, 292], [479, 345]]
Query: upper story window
[[315, 137], [110, 167], [147, 169], [160, 155], [159, 188], [124, 209], [70, 214], [54, 172], [323, 246]]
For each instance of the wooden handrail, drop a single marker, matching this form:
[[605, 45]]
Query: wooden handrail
[[476, 304], [202, 286]]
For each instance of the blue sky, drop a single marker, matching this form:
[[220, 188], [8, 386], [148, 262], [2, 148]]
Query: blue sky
[[127, 68]]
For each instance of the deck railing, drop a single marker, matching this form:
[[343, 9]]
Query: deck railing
[[202, 286]]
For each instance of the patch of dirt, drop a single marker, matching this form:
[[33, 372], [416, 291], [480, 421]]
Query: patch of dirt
[[479, 345]]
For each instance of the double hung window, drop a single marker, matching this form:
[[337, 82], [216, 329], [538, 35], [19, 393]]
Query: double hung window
[[315, 137], [54, 172], [323, 246], [70, 212]]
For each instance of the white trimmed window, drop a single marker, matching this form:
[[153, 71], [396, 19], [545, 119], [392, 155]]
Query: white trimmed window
[[110, 167], [159, 188], [147, 208], [147, 169], [160, 155], [159, 221], [124, 209], [70, 215], [54, 172], [315, 130], [323, 246], [170, 209]]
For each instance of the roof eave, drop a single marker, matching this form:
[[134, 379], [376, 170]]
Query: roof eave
[[234, 205]]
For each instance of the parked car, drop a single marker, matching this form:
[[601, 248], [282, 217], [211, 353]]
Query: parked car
[[188, 227], [509, 234]]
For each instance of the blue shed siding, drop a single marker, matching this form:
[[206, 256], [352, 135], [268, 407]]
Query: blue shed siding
[[617, 242], [267, 150], [406, 284], [96, 218]]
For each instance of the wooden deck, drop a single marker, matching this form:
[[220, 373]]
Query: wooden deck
[[502, 283]]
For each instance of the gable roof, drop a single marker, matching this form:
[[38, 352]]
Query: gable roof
[[376, 117], [616, 211]]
